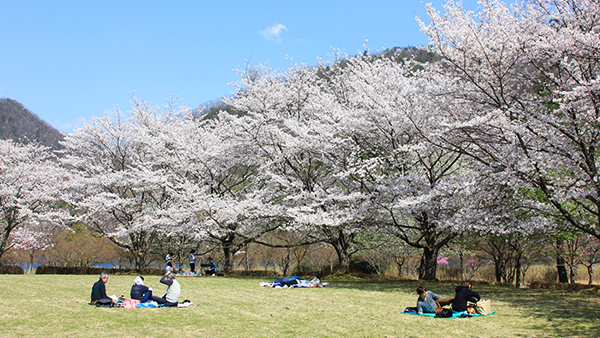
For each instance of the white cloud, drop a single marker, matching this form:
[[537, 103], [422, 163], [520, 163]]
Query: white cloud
[[273, 33], [67, 127]]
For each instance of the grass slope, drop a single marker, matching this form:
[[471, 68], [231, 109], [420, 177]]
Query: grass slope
[[53, 305]]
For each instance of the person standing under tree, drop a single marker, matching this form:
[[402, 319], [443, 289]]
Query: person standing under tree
[[192, 259], [169, 260]]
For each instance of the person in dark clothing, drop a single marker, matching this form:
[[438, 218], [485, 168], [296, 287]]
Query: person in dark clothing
[[464, 294], [192, 259], [169, 259], [99, 290], [212, 267], [143, 293], [140, 291]]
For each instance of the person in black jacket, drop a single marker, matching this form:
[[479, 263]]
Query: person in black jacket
[[140, 291], [99, 290], [464, 294]]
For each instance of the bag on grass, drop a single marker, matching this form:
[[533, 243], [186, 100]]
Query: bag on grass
[[410, 310], [484, 307], [129, 303], [104, 302], [444, 313]]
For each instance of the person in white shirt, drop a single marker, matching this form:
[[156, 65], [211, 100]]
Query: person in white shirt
[[171, 298], [192, 259]]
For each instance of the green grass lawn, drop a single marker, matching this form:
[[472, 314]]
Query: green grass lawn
[[57, 305]]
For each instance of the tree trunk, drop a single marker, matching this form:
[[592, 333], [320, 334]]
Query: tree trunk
[[246, 258], [341, 244], [518, 273], [463, 271], [428, 266], [228, 265], [139, 248], [343, 259], [572, 268], [31, 256], [498, 269], [140, 261], [590, 269], [288, 262], [563, 276], [399, 264], [10, 225], [139, 255]]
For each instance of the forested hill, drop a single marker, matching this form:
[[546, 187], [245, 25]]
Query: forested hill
[[18, 123]]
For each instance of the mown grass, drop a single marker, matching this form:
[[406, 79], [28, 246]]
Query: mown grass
[[56, 305]]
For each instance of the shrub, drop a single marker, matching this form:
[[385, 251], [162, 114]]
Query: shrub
[[59, 270], [362, 266], [253, 273], [11, 270]]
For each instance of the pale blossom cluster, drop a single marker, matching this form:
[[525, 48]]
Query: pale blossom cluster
[[499, 136]]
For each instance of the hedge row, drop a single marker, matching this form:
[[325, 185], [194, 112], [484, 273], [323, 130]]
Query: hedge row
[[60, 270], [253, 273], [11, 270]]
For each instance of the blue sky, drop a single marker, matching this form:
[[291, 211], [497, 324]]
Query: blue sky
[[67, 60]]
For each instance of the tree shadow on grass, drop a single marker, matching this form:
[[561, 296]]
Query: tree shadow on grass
[[565, 313], [405, 286]]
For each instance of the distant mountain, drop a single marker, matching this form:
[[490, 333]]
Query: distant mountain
[[20, 124]]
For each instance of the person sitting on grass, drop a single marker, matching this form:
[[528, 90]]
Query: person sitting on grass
[[212, 267], [171, 298], [429, 302], [140, 291], [99, 291], [464, 294]]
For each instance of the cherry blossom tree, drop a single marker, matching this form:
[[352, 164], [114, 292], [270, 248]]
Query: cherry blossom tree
[[420, 189], [527, 75], [120, 191], [32, 239], [293, 125], [349, 144], [590, 255], [31, 184], [217, 193]]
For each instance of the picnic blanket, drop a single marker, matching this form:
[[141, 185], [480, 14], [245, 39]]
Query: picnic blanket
[[454, 315], [129, 303]]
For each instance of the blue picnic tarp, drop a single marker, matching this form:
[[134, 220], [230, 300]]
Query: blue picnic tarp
[[454, 315]]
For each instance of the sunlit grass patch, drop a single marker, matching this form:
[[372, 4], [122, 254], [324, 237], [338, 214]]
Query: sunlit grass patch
[[51, 306]]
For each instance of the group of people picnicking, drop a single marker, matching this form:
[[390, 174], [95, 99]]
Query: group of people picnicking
[[143, 294], [463, 302], [211, 265], [139, 292]]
